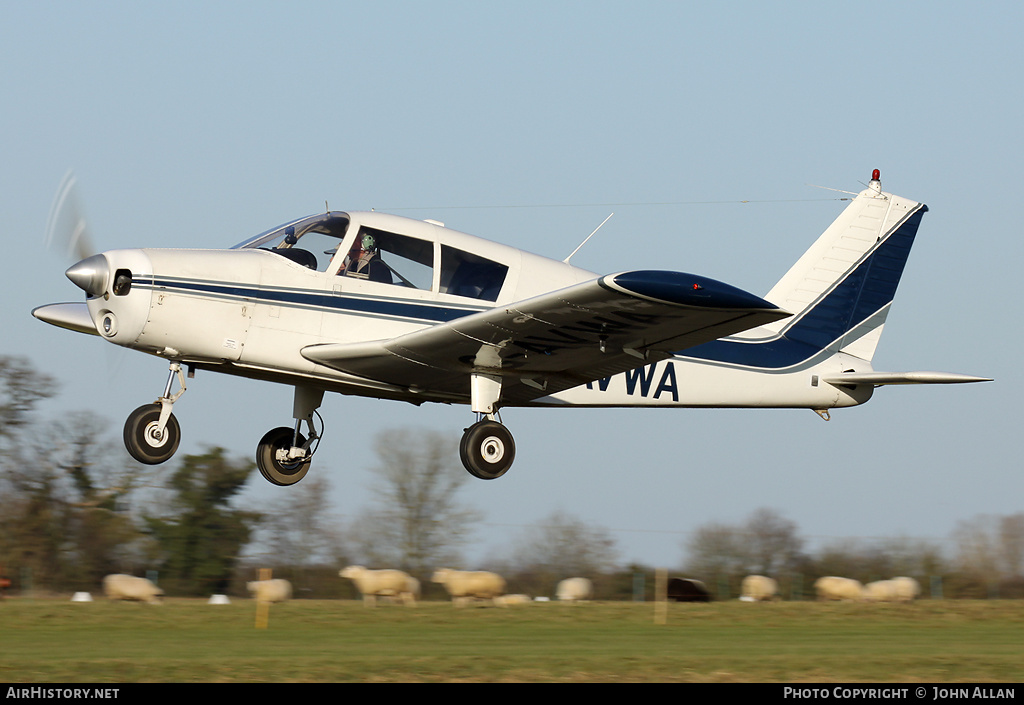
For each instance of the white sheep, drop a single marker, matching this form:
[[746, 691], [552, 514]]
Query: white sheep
[[574, 590], [382, 583], [508, 600], [880, 591], [834, 588], [758, 588], [907, 589], [894, 590], [276, 590], [465, 585], [128, 587]]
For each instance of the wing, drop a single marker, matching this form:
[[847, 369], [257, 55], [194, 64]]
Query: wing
[[558, 340]]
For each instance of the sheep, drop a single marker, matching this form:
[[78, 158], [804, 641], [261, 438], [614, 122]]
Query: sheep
[[383, 583], [844, 589], [276, 590], [894, 590], [464, 585], [128, 587], [687, 590], [880, 591], [758, 588], [907, 589], [507, 600], [574, 590]]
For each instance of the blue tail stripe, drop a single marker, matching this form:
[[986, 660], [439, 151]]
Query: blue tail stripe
[[867, 289]]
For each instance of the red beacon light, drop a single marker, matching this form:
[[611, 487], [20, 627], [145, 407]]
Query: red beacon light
[[876, 175]]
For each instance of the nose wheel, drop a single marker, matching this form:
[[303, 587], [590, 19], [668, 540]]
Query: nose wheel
[[487, 449], [151, 433], [149, 441]]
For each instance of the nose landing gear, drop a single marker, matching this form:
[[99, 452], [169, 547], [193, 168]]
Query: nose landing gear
[[151, 433]]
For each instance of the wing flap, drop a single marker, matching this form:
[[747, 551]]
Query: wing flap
[[557, 340]]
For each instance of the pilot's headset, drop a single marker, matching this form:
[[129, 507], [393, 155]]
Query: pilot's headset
[[369, 243]]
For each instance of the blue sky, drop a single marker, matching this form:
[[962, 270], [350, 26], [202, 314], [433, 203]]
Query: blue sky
[[199, 124]]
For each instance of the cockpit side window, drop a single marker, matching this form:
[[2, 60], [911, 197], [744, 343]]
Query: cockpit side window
[[466, 274], [390, 258], [310, 242]]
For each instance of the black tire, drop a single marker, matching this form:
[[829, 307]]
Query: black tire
[[487, 450], [272, 469], [141, 439]]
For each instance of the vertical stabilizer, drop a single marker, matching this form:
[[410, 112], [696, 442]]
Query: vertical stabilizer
[[840, 289]]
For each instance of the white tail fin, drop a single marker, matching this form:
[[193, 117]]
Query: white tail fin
[[840, 290]]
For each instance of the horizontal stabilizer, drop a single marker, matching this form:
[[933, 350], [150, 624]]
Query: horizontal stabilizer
[[879, 379], [73, 316]]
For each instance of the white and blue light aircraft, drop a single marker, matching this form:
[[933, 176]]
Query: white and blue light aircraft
[[382, 306]]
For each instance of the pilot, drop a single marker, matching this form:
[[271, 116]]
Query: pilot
[[364, 261]]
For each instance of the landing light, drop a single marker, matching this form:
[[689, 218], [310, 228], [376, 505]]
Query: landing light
[[108, 324]]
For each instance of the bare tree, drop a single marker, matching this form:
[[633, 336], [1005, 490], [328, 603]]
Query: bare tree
[[415, 522], [566, 545], [990, 548], [66, 506], [773, 545], [1011, 544], [722, 554], [977, 552], [21, 388], [716, 555], [298, 529]]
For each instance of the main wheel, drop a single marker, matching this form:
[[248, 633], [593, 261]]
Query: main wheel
[[487, 450], [275, 471], [144, 441]]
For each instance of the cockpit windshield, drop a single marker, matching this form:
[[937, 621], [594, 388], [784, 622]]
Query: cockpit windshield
[[310, 241]]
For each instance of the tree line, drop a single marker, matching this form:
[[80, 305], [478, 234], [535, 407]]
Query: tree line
[[987, 557], [72, 512]]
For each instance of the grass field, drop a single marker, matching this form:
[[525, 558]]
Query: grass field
[[942, 641]]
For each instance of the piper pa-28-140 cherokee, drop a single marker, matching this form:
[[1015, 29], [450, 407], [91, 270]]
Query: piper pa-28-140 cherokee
[[382, 306]]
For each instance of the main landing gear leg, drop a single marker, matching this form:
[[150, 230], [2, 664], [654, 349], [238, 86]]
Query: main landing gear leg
[[283, 455], [151, 433], [487, 449]]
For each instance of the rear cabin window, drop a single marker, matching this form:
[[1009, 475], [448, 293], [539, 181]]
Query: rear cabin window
[[465, 274]]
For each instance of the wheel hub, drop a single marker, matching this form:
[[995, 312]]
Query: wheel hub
[[154, 436], [492, 449]]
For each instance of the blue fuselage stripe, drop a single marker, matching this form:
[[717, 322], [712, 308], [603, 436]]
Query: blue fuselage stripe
[[335, 302]]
